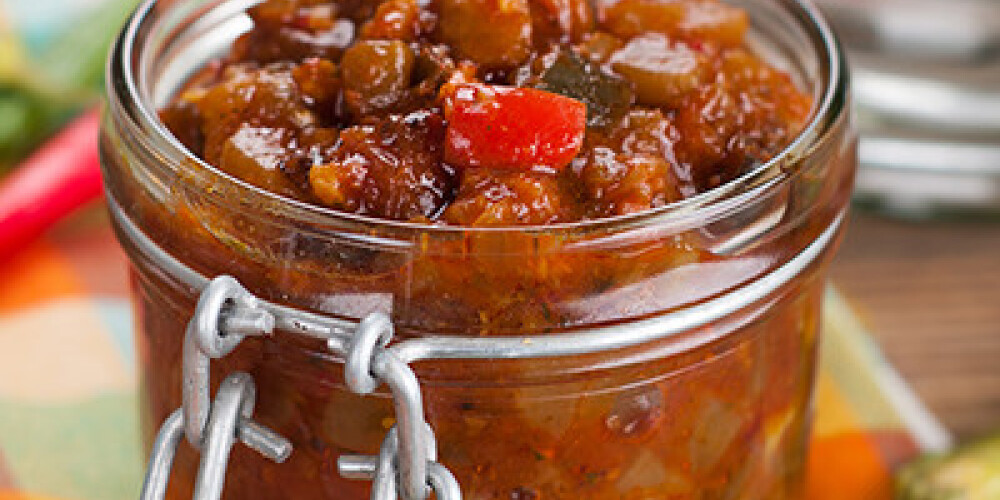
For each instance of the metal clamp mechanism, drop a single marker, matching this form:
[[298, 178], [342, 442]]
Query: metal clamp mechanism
[[382, 469], [226, 314], [228, 421], [409, 449]]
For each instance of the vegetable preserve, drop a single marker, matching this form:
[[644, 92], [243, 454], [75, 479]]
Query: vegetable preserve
[[494, 169]]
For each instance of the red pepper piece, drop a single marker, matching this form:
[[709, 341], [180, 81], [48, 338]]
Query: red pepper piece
[[514, 128]]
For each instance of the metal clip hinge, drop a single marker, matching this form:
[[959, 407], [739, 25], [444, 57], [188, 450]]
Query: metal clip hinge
[[406, 465], [227, 313], [382, 470], [229, 420]]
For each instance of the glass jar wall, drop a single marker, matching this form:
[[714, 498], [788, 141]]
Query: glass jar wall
[[720, 410]]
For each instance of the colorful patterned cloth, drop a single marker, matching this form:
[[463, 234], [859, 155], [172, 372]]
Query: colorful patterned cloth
[[68, 406], [68, 418]]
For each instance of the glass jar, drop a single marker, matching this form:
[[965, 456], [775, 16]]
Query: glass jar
[[700, 319]]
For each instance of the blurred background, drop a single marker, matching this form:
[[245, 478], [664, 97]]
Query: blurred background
[[917, 277], [52, 55], [921, 261]]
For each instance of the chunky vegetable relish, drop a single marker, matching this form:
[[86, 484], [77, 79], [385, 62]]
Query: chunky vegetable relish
[[489, 112], [465, 113]]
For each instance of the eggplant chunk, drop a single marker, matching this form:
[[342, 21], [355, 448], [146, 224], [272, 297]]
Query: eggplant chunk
[[607, 96]]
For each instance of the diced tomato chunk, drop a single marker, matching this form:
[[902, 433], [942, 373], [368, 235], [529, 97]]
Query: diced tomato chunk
[[514, 128]]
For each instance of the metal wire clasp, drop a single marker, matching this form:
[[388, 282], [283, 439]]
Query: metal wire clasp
[[228, 421], [226, 313], [406, 465], [382, 469]]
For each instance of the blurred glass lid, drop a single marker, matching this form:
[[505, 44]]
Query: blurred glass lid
[[927, 91]]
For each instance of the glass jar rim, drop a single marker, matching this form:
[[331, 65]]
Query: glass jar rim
[[827, 109]]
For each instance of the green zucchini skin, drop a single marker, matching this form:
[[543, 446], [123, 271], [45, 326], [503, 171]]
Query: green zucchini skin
[[970, 472]]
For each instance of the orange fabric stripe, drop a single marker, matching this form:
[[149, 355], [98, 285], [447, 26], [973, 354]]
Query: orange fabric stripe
[[17, 495], [847, 466], [36, 274]]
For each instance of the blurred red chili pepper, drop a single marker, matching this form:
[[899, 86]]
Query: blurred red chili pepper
[[55, 180]]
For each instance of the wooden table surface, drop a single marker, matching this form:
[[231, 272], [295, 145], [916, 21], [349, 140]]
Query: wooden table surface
[[930, 293]]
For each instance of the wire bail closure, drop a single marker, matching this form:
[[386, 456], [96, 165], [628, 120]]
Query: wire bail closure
[[226, 314], [409, 449], [381, 469], [228, 421]]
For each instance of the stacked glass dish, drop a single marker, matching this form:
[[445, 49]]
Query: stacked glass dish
[[927, 89]]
